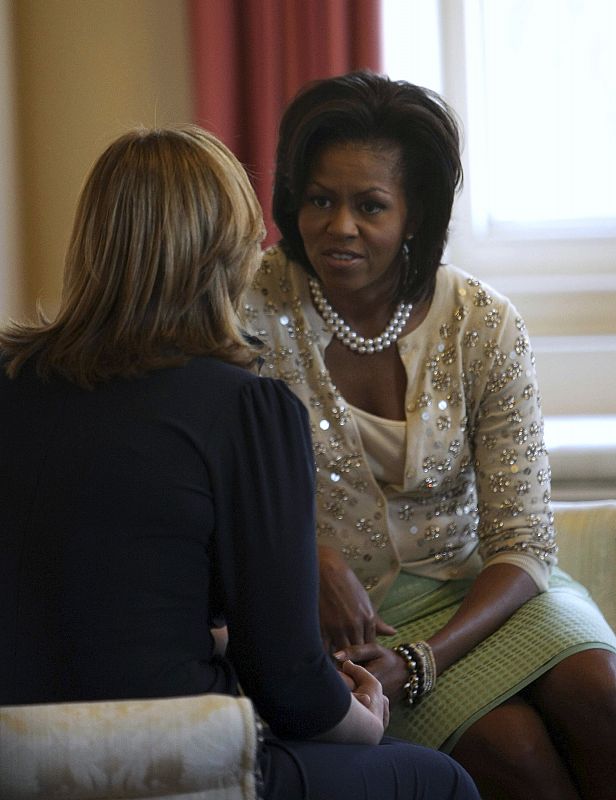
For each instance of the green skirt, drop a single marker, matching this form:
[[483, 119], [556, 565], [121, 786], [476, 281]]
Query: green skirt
[[550, 627]]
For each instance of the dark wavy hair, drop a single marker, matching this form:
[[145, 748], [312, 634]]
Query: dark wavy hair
[[365, 107]]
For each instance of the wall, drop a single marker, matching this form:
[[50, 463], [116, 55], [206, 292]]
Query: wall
[[83, 72], [10, 275]]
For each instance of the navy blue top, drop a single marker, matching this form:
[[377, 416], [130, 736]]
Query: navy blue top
[[133, 514]]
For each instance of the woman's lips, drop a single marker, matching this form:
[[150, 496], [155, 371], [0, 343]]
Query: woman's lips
[[342, 258]]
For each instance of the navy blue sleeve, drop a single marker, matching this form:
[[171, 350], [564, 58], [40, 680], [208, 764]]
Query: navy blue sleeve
[[262, 470]]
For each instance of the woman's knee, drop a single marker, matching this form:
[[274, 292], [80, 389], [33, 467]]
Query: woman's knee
[[510, 747], [393, 769], [430, 772], [507, 738], [580, 692]]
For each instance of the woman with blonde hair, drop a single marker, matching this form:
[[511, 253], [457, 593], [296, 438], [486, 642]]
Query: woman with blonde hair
[[149, 479]]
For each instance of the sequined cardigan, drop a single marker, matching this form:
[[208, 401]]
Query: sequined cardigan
[[476, 481]]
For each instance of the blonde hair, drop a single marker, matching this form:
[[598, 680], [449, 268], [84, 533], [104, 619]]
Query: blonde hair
[[165, 240]]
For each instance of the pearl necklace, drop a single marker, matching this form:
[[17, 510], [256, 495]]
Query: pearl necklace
[[351, 339]]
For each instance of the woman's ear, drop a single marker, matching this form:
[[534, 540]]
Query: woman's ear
[[411, 226], [414, 219]]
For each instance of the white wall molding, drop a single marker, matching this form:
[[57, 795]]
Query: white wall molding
[[582, 456], [577, 374]]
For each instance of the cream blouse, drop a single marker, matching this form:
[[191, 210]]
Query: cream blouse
[[464, 481]]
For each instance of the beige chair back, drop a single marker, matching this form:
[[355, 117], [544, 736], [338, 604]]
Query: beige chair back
[[187, 748], [587, 549]]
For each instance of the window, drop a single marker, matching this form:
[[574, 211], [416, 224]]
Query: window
[[534, 82], [541, 85]]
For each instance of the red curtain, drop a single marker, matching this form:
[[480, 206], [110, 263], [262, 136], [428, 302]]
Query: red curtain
[[251, 56]]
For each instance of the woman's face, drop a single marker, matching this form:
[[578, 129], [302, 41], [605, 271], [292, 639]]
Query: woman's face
[[354, 217]]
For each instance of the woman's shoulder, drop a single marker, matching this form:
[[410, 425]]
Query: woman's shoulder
[[470, 309], [236, 403], [275, 257], [470, 297], [229, 381], [278, 272], [221, 374], [468, 285], [278, 293]]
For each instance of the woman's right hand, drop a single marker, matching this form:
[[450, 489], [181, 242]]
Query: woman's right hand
[[347, 616], [368, 691], [368, 714]]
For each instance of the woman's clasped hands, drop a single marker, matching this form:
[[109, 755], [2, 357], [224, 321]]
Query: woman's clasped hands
[[366, 689]]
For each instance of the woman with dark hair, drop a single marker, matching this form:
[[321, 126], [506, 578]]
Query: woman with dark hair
[[434, 523], [149, 480]]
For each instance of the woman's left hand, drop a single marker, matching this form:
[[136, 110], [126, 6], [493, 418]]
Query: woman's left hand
[[381, 662]]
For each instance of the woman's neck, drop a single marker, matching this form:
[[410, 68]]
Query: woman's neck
[[367, 311]]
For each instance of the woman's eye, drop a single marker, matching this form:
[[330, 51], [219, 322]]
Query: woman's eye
[[372, 207], [318, 201]]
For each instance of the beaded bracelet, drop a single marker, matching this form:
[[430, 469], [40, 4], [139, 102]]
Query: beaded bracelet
[[411, 687], [428, 664], [421, 666]]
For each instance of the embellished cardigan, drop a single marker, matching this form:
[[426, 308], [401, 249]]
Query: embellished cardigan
[[476, 487]]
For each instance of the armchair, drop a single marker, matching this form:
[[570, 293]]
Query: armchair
[[185, 748]]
